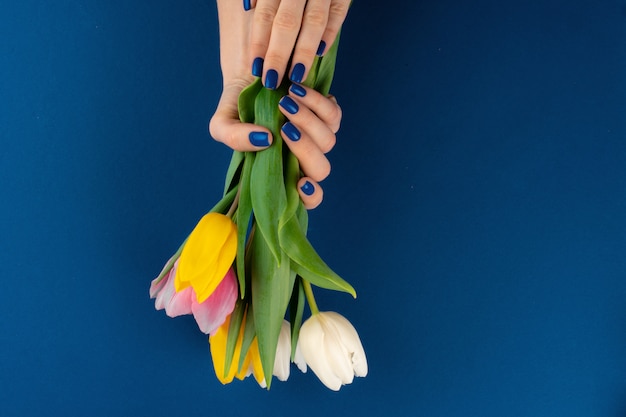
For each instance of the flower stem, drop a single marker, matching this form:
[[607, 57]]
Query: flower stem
[[308, 291], [233, 206]]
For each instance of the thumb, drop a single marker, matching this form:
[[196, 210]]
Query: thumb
[[225, 126]]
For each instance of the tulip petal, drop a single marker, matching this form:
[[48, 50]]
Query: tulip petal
[[255, 363], [156, 286], [159, 282], [298, 359], [282, 362], [350, 339], [217, 342], [213, 312], [337, 354], [208, 254], [222, 264], [311, 338], [167, 291], [180, 303]]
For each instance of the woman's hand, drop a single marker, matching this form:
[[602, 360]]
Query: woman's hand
[[282, 27], [313, 120]]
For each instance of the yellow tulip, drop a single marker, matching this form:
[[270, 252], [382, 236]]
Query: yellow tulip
[[252, 361], [207, 256]]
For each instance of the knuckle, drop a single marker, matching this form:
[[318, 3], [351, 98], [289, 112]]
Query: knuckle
[[322, 171], [306, 51], [328, 143], [335, 116], [317, 17], [339, 8], [264, 15], [259, 45], [287, 20], [213, 129]]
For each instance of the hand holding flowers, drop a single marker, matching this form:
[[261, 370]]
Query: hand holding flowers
[[248, 264]]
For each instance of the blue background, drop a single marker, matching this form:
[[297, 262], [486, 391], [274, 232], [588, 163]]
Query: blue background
[[477, 203]]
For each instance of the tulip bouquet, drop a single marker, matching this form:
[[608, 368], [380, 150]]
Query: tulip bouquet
[[248, 265]]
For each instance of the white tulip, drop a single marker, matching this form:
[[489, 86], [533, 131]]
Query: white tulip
[[332, 348], [282, 361]]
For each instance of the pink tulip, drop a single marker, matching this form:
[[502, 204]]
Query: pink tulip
[[210, 314]]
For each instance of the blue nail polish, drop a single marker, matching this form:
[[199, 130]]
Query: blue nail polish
[[298, 90], [307, 188], [297, 73], [321, 48], [291, 131], [257, 67], [271, 79], [246, 5], [288, 104], [259, 138]]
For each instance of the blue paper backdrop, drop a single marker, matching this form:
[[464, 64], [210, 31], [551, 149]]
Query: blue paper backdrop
[[477, 203]]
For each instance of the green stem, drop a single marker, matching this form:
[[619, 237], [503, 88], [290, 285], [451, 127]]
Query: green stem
[[308, 291], [233, 206]]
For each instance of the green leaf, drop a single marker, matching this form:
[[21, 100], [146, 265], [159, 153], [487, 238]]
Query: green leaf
[[267, 187], [303, 218], [246, 101], [248, 336], [306, 262], [223, 205], [233, 168], [271, 290], [233, 333], [244, 212], [292, 175], [170, 263], [326, 69], [296, 310]]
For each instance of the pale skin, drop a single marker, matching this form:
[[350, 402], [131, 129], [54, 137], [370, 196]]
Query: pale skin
[[315, 121], [306, 28]]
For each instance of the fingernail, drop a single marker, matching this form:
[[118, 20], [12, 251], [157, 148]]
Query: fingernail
[[259, 138], [288, 104], [321, 48], [291, 131], [297, 73], [271, 79], [298, 90], [246, 5], [307, 188], [257, 67]]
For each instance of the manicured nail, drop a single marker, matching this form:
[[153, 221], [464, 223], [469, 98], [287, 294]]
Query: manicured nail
[[257, 67], [291, 131], [321, 48], [297, 73], [246, 5], [288, 104], [298, 90], [259, 138], [271, 79], [307, 188]]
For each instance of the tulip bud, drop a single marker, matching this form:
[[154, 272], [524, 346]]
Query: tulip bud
[[332, 348]]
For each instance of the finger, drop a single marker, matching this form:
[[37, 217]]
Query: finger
[[312, 160], [249, 4], [244, 137], [326, 108], [310, 192], [336, 17], [285, 28], [260, 33], [308, 122], [314, 23], [225, 126]]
